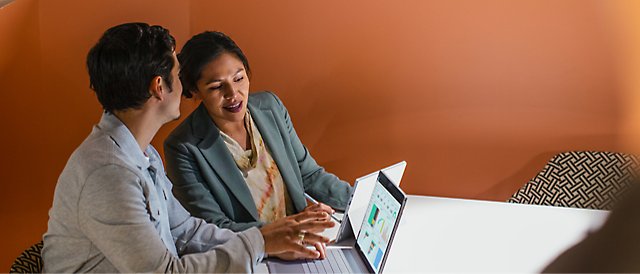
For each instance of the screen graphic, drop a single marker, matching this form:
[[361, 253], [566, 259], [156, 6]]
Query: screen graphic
[[376, 230]]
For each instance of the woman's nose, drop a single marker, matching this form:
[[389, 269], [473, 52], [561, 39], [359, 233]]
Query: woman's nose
[[230, 92]]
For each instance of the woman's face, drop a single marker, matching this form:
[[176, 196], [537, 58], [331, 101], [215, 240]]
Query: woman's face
[[224, 89]]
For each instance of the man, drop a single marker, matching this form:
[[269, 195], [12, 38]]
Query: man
[[113, 210]]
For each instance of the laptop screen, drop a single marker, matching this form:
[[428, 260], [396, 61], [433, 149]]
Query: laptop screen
[[379, 222]]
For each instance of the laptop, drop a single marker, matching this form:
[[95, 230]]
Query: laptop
[[371, 248], [357, 205]]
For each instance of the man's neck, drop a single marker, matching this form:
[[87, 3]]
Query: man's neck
[[142, 124]]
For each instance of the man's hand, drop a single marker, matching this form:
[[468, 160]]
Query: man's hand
[[320, 247], [288, 237]]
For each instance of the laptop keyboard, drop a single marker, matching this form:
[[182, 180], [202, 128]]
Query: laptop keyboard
[[334, 263]]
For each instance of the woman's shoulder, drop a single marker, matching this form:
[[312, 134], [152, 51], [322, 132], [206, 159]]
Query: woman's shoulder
[[265, 100], [184, 132]]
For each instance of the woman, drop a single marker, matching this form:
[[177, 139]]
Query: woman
[[237, 161]]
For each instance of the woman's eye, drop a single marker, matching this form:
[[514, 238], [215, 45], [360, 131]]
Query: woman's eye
[[239, 79], [215, 88]]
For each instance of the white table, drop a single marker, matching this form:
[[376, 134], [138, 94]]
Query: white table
[[458, 235]]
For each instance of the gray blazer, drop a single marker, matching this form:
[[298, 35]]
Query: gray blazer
[[209, 184]]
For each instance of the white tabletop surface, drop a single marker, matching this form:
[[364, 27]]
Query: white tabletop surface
[[458, 235]]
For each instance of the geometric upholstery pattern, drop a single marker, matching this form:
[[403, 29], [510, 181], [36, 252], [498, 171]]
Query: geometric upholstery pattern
[[30, 261], [580, 179]]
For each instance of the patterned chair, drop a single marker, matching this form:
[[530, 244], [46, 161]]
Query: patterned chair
[[29, 261], [581, 179]]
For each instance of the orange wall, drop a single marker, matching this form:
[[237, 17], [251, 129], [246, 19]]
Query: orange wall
[[626, 26], [26, 190], [47, 106], [475, 95]]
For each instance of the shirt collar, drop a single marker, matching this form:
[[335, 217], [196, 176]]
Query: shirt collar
[[123, 138]]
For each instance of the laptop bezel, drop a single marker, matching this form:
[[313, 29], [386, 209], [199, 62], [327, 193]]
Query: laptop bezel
[[401, 197]]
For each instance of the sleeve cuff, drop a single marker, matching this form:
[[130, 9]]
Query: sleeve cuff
[[255, 242]]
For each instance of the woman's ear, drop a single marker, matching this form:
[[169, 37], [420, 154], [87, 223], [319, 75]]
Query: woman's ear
[[155, 87]]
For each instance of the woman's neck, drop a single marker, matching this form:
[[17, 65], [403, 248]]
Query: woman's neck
[[236, 130]]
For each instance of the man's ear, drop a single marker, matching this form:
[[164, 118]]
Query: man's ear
[[196, 95], [155, 88]]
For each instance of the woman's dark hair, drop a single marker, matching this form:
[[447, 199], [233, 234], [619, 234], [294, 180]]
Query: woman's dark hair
[[124, 62], [200, 50]]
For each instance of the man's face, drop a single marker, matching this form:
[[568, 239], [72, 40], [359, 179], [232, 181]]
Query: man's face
[[173, 98]]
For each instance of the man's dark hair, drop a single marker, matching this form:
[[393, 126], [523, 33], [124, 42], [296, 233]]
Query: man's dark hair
[[125, 60], [200, 50]]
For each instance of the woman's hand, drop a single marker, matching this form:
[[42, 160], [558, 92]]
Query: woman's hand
[[320, 207], [288, 237]]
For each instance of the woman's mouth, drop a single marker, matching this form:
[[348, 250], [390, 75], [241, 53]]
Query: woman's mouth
[[234, 108]]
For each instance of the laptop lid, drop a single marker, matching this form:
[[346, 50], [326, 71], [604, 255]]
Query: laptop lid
[[362, 192], [380, 223], [362, 189], [394, 173]]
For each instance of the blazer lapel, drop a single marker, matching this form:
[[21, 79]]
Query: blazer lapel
[[217, 155], [266, 123]]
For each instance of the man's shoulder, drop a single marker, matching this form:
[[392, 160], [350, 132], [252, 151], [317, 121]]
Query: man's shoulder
[[96, 152], [99, 149], [95, 162]]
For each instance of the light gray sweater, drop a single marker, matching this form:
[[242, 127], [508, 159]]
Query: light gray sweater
[[113, 211]]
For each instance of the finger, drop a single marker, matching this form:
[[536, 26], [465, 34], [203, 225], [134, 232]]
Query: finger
[[321, 248], [302, 251], [312, 238], [314, 226], [325, 208], [310, 216], [312, 207]]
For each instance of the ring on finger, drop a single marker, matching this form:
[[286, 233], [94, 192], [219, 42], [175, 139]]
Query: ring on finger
[[301, 235]]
